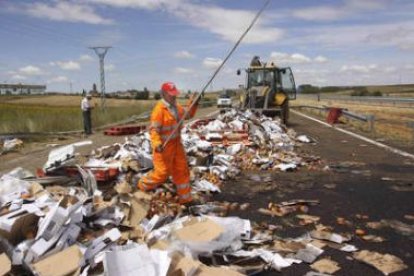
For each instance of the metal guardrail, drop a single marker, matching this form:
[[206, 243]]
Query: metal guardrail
[[384, 101], [370, 119]]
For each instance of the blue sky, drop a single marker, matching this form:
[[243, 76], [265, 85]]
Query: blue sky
[[342, 42]]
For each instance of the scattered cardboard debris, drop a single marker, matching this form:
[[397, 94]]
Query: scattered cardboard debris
[[385, 263], [5, 264], [325, 266], [329, 236], [372, 238], [307, 219], [199, 231], [62, 263], [403, 187], [409, 217]]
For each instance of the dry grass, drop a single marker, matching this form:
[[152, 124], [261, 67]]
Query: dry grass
[[61, 113], [69, 100], [391, 123]]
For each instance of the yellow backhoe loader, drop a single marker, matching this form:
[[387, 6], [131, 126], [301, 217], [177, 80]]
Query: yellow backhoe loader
[[268, 89]]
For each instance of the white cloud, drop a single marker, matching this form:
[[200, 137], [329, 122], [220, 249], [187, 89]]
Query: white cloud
[[364, 69], [18, 77], [212, 63], [323, 13], [68, 65], [336, 12], [398, 34], [321, 59], [85, 58], [183, 54], [109, 67], [66, 11], [31, 70], [182, 70], [284, 58], [409, 67], [141, 4], [58, 79], [228, 24], [389, 69]]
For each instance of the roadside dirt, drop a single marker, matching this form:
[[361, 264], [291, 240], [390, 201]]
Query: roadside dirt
[[362, 180]]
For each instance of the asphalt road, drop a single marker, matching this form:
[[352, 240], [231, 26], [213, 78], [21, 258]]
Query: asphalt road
[[363, 179]]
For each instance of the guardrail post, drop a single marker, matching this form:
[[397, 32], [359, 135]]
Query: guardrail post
[[370, 120], [411, 125]]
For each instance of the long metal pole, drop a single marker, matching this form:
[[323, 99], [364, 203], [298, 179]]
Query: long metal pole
[[216, 72]]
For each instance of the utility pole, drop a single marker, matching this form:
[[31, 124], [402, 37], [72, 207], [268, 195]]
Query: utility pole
[[70, 87], [101, 51]]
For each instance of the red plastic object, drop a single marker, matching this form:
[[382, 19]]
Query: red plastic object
[[40, 172], [125, 130], [101, 174], [333, 115]]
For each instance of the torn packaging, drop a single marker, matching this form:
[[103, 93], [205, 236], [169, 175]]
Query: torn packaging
[[385, 263], [325, 235], [20, 224], [325, 266], [99, 244], [140, 204], [58, 216], [66, 262], [185, 266], [199, 231], [5, 264], [136, 259]]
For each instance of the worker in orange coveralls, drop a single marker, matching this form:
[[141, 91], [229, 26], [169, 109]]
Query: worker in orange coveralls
[[170, 160]]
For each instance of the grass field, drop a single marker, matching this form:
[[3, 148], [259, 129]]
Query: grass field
[[391, 123], [61, 113]]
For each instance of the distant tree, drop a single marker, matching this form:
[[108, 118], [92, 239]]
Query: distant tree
[[157, 96], [308, 89], [141, 95], [330, 89]]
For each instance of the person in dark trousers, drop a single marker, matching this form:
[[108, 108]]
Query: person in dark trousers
[[86, 113]]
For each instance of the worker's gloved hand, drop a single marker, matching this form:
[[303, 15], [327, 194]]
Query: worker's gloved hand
[[159, 148]]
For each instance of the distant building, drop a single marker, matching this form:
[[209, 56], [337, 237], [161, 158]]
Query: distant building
[[21, 89]]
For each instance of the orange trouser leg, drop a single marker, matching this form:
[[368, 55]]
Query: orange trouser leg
[[157, 175], [181, 174]]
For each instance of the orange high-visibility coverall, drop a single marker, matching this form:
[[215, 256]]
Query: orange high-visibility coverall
[[172, 161]]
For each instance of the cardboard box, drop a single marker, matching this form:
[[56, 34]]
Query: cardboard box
[[19, 225], [5, 264], [63, 263], [199, 231]]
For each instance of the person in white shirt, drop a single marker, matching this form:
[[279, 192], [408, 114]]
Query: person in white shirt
[[86, 114]]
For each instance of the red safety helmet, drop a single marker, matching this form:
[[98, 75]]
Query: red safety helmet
[[170, 89]]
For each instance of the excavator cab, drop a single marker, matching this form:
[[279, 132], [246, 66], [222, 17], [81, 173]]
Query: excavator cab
[[268, 89]]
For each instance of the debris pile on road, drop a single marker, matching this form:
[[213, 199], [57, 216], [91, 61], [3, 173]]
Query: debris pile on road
[[10, 145], [97, 221]]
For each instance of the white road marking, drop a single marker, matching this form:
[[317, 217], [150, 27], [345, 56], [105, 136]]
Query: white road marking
[[363, 138]]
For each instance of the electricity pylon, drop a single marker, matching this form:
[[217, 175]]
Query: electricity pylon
[[101, 52]]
